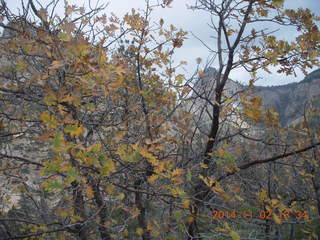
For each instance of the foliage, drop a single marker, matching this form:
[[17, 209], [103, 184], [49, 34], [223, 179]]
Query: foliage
[[102, 142]]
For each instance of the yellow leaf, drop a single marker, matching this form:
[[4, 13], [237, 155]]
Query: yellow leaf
[[65, 168], [90, 193], [63, 111], [278, 3], [275, 203], [177, 172], [221, 230], [152, 178], [109, 189], [68, 98], [190, 219], [75, 130], [149, 227], [62, 213], [146, 154], [234, 235], [108, 168], [306, 231], [160, 166], [226, 225], [135, 212], [221, 151], [21, 65], [239, 198], [76, 218], [210, 182], [263, 195], [276, 219], [232, 169], [176, 191], [230, 32], [179, 79], [121, 196], [49, 120], [94, 147], [186, 203], [56, 64], [119, 135], [120, 70], [139, 231], [222, 194], [61, 236], [203, 165]]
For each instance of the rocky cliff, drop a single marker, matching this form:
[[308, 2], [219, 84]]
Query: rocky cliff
[[288, 100]]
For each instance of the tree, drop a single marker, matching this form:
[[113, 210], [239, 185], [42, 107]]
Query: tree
[[96, 113], [243, 41], [99, 142]]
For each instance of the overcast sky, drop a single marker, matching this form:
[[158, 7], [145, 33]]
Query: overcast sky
[[195, 22]]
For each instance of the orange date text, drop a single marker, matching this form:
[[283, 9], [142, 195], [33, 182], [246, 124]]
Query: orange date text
[[262, 214]]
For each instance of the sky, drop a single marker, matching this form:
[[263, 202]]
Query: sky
[[196, 23]]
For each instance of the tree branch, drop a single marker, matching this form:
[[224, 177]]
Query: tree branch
[[271, 159]]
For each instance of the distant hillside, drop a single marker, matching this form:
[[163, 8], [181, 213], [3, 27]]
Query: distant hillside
[[288, 100], [313, 75]]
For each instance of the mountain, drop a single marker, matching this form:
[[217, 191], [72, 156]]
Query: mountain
[[207, 82], [291, 99], [288, 100]]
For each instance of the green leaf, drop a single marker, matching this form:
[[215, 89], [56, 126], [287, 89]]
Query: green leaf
[[72, 172], [53, 185], [52, 167], [177, 215], [108, 168], [181, 227], [128, 154], [72, 175], [58, 143], [189, 176], [135, 157], [171, 236], [50, 100], [57, 140], [74, 130]]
